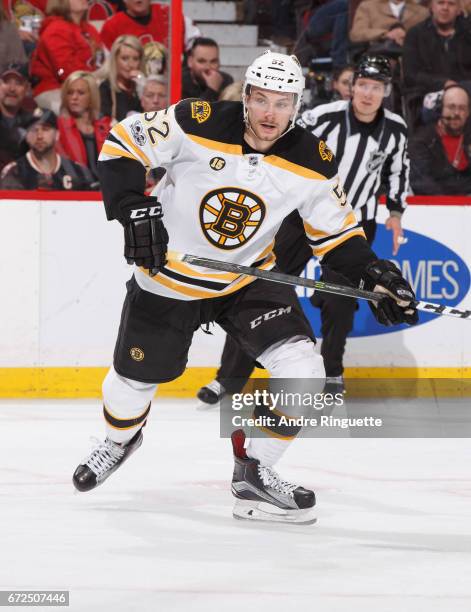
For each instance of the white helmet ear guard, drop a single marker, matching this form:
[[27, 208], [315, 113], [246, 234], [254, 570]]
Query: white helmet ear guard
[[276, 72]]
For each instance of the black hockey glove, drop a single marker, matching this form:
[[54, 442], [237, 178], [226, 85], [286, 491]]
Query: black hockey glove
[[397, 307], [145, 237]]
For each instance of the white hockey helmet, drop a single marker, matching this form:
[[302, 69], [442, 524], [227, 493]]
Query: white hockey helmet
[[277, 72]]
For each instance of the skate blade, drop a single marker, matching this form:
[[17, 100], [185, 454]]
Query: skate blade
[[248, 510]]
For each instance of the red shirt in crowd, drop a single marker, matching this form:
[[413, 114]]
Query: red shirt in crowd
[[454, 150], [122, 23], [64, 47]]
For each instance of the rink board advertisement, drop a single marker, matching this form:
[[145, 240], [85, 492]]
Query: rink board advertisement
[[64, 278]]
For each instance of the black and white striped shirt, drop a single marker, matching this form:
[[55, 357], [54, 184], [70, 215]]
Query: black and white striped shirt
[[369, 155]]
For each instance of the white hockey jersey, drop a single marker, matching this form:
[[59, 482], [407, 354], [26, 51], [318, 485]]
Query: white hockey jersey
[[221, 199]]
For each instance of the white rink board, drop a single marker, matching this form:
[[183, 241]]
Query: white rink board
[[63, 276], [444, 342]]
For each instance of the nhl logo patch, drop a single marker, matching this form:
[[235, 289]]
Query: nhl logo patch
[[375, 161], [200, 110], [324, 151], [136, 353], [231, 216]]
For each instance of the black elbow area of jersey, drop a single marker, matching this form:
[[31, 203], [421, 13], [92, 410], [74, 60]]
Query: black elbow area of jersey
[[350, 258], [123, 182]]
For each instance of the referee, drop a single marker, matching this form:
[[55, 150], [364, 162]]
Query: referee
[[370, 146]]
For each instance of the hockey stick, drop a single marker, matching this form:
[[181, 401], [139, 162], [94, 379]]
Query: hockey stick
[[317, 285]]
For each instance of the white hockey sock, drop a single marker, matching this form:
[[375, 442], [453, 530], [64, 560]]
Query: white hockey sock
[[266, 450], [124, 400], [293, 358]]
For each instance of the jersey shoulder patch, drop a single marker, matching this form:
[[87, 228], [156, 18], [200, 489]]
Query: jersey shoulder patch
[[219, 121], [302, 148]]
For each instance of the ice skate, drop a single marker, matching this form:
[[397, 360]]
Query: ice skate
[[262, 495], [104, 459], [210, 395]]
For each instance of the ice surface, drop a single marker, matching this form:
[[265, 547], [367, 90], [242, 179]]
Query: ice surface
[[393, 531]]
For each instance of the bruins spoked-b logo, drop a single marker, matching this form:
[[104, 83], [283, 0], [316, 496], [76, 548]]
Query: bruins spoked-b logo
[[137, 353], [230, 216]]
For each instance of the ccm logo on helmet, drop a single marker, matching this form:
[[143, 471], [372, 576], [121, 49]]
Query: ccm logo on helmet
[[269, 315]]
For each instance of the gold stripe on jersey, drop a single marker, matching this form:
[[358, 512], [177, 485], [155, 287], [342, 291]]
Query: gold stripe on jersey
[[284, 164], [116, 151], [199, 293], [325, 248], [120, 131], [314, 233], [180, 287], [183, 268], [215, 145]]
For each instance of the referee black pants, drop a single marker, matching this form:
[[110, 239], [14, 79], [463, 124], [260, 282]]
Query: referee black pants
[[337, 314]]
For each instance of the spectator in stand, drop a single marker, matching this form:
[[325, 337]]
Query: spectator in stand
[[384, 23], [283, 23], [441, 152], [11, 47], [202, 77], [323, 92], [81, 130], [125, 67], [232, 93], [437, 53], [342, 80], [42, 167], [14, 88], [331, 18], [28, 16], [67, 42], [152, 92], [142, 19]]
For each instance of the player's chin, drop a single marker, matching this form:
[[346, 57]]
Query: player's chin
[[268, 134]]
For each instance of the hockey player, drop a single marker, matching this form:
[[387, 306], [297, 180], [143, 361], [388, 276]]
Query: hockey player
[[234, 172], [370, 147]]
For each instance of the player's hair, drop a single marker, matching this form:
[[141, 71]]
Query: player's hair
[[3, 16], [203, 41], [60, 8], [124, 40], [156, 78]]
